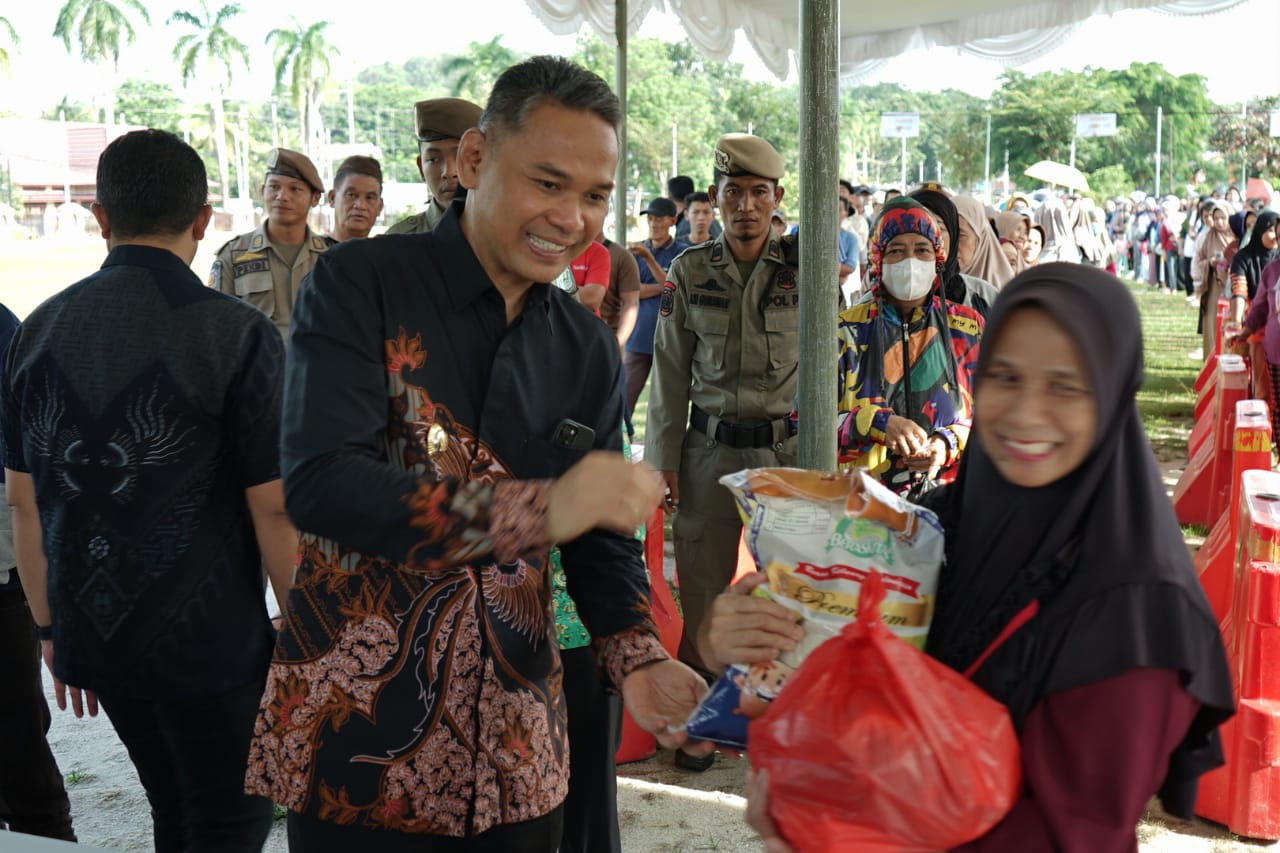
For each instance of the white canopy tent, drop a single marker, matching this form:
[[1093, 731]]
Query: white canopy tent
[[834, 39]]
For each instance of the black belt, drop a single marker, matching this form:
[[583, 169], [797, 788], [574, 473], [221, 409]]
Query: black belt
[[740, 436]]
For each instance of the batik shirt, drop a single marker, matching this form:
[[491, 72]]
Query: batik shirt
[[416, 686], [919, 369]]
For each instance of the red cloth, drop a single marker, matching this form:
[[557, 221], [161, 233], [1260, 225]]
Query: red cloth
[[1092, 757], [592, 266]]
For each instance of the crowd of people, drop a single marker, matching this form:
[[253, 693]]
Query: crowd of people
[[415, 441]]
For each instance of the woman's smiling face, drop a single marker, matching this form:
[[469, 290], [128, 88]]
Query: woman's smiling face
[[1034, 409]]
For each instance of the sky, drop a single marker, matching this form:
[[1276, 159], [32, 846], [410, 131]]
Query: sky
[[42, 73]]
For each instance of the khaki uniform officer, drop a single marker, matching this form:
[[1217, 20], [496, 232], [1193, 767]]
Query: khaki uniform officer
[[441, 123], [265, 266], [727, 343]]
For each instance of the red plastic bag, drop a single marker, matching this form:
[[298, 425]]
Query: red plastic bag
[[872, 747]]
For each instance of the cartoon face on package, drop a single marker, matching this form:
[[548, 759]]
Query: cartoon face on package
[[817, 536]]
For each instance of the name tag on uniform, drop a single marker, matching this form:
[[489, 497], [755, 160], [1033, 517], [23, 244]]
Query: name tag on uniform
[[250, 262]]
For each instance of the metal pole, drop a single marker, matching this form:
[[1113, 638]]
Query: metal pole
[[620, 88], [987, 174], [1072, 162], [675, 170], [1159, 130], [351, 110], [819, 268], [902, 188]]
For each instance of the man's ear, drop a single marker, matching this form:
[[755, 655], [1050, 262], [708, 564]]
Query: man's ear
[[203, 218], [473, 150], [315, 198], [421, 172], [104, 224], [711, 193], [777, 198], [331, 198]]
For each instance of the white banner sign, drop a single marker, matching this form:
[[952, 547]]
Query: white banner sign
[[899, 125], [1096, 124]]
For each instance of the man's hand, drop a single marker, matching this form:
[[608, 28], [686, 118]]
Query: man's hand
[[79, 698], [904, 437], [661, 695], [931, 460], [602, 490], [640, 250], [758, 813], [743, 628], [671, 484]]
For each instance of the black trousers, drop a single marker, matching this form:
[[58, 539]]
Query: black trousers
[[32, 797], [595, 727], [308, 834], [191, 757]]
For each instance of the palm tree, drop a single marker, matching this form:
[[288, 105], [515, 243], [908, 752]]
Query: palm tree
[[98, 27], [13, 40], [474, 72], [212, 46], [304, 56]]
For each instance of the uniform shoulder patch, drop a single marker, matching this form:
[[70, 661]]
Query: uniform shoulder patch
[[786, 279], [667, 302], [717, 252]]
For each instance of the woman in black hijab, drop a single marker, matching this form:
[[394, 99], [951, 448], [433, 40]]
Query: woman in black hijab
[[1068, 594], [958, 288], [1246, 267], [1114, 671]]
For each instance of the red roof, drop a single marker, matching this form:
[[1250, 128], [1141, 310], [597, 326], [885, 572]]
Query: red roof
[[42, 154]]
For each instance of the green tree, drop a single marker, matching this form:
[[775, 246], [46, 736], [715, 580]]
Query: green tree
[[1245, 141], [473, 73], [7, 27], [304, 56], [150, 104], [213, 50], [98, 27]]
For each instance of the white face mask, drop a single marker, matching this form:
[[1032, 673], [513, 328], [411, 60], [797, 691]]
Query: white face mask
[[909, 279]]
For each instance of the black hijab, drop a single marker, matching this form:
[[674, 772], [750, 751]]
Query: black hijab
[[954, 287], [1253, 256], [1100, 549]]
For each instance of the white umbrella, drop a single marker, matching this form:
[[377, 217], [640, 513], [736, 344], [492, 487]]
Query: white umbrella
[[1053, 172]]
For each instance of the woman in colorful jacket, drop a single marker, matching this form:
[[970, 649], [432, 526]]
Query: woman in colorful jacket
[[907, 360]]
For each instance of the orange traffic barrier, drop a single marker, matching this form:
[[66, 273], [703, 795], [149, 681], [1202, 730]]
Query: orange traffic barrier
[[1244, 794], [1251, 449], [1197, 492]]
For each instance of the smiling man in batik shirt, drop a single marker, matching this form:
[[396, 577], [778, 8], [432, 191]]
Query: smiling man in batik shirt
[[448, 417]]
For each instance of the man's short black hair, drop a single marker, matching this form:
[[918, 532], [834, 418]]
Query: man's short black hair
[[848, 185], [697, 196], [525, 86], [151, 182], [679, 186]]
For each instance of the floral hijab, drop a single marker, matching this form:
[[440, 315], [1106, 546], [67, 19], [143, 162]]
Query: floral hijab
[[902, 215]]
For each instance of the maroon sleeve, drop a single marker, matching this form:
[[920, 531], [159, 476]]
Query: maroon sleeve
[[1092, 758]]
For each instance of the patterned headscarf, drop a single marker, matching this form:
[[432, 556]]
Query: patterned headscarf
[[902, 215]]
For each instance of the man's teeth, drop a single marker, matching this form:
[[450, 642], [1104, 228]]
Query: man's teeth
[[545, 245]]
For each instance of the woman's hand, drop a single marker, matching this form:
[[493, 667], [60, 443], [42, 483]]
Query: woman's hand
[[904, 437], [744, 628], [932, 460]]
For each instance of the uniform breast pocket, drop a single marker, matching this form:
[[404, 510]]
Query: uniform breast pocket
[[258, 290], [782, 328], [712, 331], [546, 460]]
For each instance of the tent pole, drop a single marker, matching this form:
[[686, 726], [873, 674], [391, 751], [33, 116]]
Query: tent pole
[[620, 87], [819, 269]]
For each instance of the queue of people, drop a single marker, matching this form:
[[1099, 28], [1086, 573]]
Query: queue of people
[[383, 428]]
